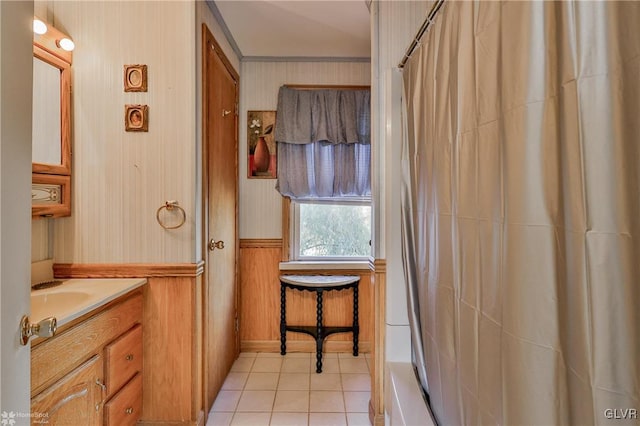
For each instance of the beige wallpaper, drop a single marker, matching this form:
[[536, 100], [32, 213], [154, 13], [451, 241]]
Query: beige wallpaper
[[260, 203], [40, 239], [120, 178]]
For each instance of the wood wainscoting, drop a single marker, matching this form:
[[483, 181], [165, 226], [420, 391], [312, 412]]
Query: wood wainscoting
[[172, 336], [260, 304], [379, 281]]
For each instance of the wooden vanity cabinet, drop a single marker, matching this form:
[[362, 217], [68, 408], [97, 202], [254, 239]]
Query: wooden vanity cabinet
[[90, 373]]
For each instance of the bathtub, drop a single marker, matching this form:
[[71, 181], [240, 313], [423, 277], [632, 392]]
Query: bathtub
[[404, 403]]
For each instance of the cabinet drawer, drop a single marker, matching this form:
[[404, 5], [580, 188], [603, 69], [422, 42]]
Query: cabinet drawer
[[123, 359], [125, 408]]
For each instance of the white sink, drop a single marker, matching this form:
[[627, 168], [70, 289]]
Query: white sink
[[60, 301], [76, 297], [61, 298]]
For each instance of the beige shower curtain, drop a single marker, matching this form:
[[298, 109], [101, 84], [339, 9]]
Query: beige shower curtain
[[522, 202]]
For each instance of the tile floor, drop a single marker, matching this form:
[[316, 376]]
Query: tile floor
[[270, 389]]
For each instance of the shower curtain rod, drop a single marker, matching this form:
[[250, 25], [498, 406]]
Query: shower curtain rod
[[423, 28]]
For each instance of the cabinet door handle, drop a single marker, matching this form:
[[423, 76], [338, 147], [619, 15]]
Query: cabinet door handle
[[129, 410], [104, 392], [129, 357]]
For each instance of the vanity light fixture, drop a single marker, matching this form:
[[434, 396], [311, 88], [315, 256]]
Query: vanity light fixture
[[66, 44], [39, 27]]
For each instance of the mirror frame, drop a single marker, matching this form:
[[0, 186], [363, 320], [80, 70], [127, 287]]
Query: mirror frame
[[46, 49]]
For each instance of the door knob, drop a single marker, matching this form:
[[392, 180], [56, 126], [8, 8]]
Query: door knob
[[45, 328], [213, 244]]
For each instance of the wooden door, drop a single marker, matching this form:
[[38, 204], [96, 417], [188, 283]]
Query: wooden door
[[220, 148], [76, 399]]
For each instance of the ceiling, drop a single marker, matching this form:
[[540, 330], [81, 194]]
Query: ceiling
[[300, 29]]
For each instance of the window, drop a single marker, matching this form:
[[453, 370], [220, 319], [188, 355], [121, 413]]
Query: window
[[331, 229]]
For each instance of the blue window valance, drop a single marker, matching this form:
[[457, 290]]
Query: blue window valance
[[324, 143]]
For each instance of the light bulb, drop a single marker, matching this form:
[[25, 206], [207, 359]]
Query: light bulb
[[66, 44], [39, 27]]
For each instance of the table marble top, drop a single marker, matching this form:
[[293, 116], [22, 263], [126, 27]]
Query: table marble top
[[319, 280]]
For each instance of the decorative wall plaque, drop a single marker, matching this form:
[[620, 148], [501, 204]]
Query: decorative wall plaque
[[136, 118], [135, 78]]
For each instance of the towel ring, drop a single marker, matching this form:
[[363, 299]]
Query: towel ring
[[170, 205]]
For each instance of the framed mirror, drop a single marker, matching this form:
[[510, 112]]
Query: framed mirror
[[51, 125]]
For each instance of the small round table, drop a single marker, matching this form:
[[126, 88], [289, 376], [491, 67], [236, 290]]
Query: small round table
[[319, 284]]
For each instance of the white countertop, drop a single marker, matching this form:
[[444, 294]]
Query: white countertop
[[76, 297]]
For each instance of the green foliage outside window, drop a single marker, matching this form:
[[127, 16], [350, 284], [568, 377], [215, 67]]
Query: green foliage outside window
[[335, 230]]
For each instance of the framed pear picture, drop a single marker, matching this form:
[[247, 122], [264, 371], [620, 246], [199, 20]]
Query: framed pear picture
[[261, 145]]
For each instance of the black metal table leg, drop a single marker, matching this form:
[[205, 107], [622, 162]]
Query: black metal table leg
[[319, 336], [356, 327], [283, 319]]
